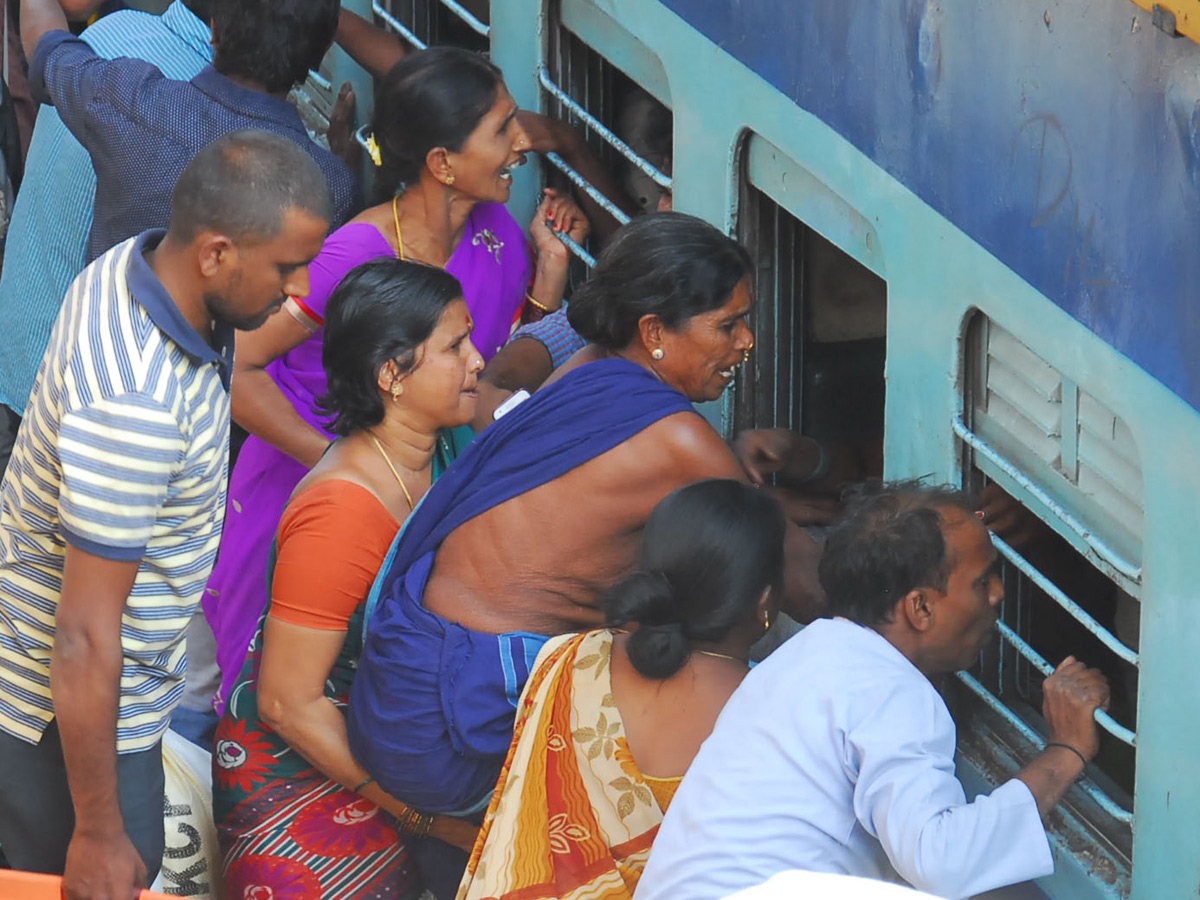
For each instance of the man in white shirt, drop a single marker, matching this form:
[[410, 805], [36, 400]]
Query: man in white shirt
[[837, 753]]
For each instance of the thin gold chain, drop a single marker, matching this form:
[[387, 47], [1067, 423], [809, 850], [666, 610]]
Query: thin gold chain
[[722, 656], [399, 480], [396, 219]]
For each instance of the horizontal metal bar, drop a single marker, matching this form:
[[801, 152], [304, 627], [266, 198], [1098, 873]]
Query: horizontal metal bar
[[597, 126], [1077, 612], [396, 25], [574, 247], [361, 137], [320, 80], [473, 23], [588, 188], [1103, 719], [1101, 547], [1088, 787]]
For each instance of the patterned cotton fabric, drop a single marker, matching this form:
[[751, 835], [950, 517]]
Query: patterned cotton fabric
[[124, 454], [142, 129], [554, 333], [48, 236], [572, 818]]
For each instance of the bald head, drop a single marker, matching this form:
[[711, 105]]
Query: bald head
[[242, 184]]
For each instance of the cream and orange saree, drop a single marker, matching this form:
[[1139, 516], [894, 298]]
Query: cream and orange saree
[[572, 817]]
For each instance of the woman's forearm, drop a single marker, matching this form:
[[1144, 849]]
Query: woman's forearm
[[317, 732], [260, 407], [550, 282]]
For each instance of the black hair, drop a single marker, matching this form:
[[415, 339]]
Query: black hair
[[242, 184], [431, 98], [383, 310], [709, 551], [889, 542], [272, 42], [667, 264]]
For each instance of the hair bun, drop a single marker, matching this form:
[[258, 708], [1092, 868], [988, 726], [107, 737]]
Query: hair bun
[[658, 646]]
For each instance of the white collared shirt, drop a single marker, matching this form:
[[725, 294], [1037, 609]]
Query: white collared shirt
[[837, 755]]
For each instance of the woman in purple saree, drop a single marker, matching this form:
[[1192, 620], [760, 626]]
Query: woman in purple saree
[[448, 139]]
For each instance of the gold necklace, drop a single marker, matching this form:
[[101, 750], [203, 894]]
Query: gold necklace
[[396, 219], [387, 459], [723, 656]]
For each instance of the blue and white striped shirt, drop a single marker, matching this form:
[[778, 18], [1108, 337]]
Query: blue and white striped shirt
[[48, 235], [123, 453]]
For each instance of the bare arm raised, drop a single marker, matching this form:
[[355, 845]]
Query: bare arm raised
[[259, 405]]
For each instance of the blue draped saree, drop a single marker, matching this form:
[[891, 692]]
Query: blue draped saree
[[433, 703]]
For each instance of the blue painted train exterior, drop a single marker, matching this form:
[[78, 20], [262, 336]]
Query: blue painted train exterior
[[1062, 137]]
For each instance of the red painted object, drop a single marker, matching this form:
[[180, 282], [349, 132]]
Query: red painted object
[[34, 886]]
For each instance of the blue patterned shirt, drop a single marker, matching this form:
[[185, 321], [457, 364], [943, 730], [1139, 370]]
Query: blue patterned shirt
[[554, 333], [142, 129], [48, 234]]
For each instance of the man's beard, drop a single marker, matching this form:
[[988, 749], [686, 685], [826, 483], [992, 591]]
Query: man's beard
[[219, 310]]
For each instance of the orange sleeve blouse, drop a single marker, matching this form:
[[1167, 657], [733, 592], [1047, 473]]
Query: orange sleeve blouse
[[332, 540]]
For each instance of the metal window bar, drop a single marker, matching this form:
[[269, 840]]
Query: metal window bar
[[1097, 544], [1091, 790], [569, 242], [599, 128], [587, 187], [473, 23], [361, 137], [397, 26], [1077, 612], [1103, 719]]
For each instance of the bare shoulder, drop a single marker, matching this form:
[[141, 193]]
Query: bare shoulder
[[695, 446]]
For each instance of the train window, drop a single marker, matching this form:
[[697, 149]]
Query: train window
[[1062, 595], [628, 126], [1029, 423], [819, 324], [462, 23]]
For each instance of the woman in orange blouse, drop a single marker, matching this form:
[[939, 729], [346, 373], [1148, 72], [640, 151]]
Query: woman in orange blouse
[[297, 815]]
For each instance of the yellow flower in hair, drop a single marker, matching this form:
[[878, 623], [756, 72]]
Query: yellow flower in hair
[[373, 150]]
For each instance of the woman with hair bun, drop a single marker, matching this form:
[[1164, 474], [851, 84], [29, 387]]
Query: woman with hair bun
[[611, 719]]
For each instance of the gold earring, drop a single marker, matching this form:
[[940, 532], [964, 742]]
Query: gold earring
[[397, 389], [767, 622], [657, 353], [450, 178]]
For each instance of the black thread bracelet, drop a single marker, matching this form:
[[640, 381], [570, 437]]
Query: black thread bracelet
[[1082, 758]]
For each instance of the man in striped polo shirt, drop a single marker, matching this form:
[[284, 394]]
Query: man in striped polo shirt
[[112, 507]]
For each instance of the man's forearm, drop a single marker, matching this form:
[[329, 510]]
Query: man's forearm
[[373, 48], [1049, 776], [85, 679], [37, 18]]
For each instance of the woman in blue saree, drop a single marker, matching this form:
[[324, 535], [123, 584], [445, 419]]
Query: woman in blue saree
[[545, 510], [296, 813]]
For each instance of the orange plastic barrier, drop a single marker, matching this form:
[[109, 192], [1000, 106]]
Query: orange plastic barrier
[[32, 886]]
